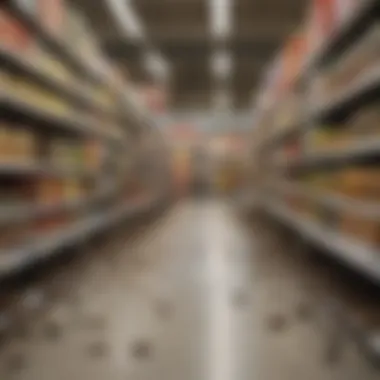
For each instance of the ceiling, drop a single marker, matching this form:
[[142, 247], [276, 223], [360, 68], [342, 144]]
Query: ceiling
[[180, 31]]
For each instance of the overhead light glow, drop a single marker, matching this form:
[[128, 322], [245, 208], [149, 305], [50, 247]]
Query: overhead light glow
[[220, 18], [156, 65], [130, 24], [126, 18], [221, 64]]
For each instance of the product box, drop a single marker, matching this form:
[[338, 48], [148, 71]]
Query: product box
[[14, 236], [50, 191], [93, 155], [360, 182], [72, 189], [17, 144], [365, 124], [364, 230]]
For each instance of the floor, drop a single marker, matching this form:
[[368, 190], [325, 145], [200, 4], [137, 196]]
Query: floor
[[195, 295]]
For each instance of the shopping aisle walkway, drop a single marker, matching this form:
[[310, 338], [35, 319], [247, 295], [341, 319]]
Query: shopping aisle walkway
[[193, 297]]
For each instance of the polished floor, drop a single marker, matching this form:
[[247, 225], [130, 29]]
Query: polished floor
[[195, 295]]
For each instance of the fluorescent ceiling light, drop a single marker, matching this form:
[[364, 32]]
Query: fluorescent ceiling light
[[126, 18], [156, 65], [221, 64], [220, 18], [130, 24]]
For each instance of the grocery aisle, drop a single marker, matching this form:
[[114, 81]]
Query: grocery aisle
[[194, 295]]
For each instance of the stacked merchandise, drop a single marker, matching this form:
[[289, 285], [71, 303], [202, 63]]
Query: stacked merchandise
[[62, 146], [323, 177]]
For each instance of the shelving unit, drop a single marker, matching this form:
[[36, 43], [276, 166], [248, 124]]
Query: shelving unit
[[350, 252], [319, 175], [67, 131], [53, 43], [20, 258], [363, 90]]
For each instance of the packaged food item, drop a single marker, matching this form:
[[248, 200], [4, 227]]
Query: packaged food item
[[5, 151], [327, 138], [14, 236], [366, 122], [359, 228], [49, 191], [72, 189], [93, 155], [55, 68], [67, 155], [360, 182], [356, 62], [17, 144], [24, 145], [43, 227]]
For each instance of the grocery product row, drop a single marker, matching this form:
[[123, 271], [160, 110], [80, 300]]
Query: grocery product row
[[53, 27], [21, 145], [67, 155], [34, 76], [350, 252], [23, 69], [317, 145], [43, 244]]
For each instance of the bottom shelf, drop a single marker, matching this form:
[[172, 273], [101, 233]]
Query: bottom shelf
[[16, 260], [359, 256]]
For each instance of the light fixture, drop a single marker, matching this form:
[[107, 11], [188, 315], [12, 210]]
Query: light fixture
[[221, 64], [130, 24], [220, 18], [156, 65], [126, 18]]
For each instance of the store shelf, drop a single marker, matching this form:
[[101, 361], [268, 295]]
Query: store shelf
[[345, 155], [365, 209], [339, 202], [76, 96], [41, 248], [45, 118], [53, 43], [36, 168], [281, 136], [13, 214], [363, 90], [17, 106], [20, 169], [347, 35], [14, 62], [362, 258]]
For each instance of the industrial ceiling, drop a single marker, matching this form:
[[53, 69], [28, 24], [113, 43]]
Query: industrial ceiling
[[179, 30]]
